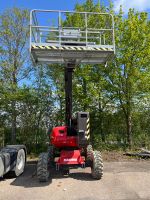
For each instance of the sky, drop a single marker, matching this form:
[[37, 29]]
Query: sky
[[140, 5], [41, 4]]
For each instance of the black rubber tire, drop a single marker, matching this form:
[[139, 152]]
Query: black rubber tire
[[97, 165], [50, 155], [89, 151], [2, 168], [42, 167], [89, 148], [20, 164]]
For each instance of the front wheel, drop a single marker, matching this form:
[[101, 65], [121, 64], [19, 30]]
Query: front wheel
[[50, 156], [97, 165], [42, 167]]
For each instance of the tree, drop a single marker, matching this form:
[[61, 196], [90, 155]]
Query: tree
[[36, 112], [130, 70], [14, 58]]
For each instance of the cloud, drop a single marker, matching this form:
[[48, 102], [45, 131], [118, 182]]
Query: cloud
[[139, 5]]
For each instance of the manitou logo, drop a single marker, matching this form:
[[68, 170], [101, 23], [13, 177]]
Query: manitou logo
[[70, 159]]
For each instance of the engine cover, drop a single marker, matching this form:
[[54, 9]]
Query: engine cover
[[59, 138]]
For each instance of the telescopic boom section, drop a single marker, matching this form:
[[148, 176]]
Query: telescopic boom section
[[68, 92]]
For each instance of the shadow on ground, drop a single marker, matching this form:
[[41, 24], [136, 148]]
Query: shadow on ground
[[29, 179]]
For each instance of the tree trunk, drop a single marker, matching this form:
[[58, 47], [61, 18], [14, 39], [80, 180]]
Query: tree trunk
[[13, 127], [101, 126], [129, 130], [101, 119], [13, 105], [2, 137]]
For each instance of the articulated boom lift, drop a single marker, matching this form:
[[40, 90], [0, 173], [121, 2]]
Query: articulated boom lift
[[63, 44]]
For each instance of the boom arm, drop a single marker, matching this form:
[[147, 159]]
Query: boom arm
[[68, 92]]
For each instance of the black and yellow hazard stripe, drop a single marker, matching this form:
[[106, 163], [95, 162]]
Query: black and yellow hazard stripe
[[88, 128], [69, 48]]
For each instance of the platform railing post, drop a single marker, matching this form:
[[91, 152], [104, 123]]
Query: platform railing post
[[86, 28], [30, 36], [113, 32], [59, 26]]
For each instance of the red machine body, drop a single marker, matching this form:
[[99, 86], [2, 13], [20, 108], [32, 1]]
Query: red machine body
[[72, 157], [60, 139]]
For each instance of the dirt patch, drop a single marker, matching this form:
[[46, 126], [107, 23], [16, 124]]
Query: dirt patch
[[107, 156], [119, 156]]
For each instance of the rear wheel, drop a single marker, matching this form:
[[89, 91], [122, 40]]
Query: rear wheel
[[89, 151], [42, 167], [97, 165], [89, 148]]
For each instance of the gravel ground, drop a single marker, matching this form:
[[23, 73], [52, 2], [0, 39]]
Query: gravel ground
[[121, 181]]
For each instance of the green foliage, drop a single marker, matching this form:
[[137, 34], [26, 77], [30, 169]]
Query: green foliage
[[14, 61], [117, 97], [130, 71]]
